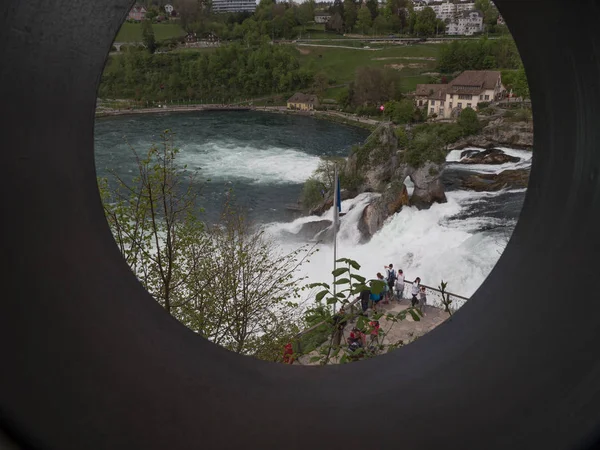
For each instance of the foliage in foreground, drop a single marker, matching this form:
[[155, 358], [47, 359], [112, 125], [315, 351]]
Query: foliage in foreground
[[342, 291], [226, 282]]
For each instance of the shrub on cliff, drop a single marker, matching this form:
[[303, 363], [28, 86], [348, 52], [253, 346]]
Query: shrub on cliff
[[469, 122], [312, 193], [401, 112], [426, 145]]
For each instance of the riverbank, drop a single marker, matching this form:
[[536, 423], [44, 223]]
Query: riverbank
[[332, 116]]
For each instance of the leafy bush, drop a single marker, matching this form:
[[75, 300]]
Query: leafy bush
[[351, 181], [428, 142], [469, 122], [193, 74], [425, 146], [367, 111], [402, 137], [400, 112], [311, 193], [480, 54], [523, 115]]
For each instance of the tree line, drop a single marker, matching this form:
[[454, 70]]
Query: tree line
[[480, 54], [228, 72], [287, 20]]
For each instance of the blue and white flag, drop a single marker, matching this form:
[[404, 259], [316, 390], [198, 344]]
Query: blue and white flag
[[337, 201]]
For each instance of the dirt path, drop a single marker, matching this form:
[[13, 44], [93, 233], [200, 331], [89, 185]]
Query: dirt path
[[339, 46]]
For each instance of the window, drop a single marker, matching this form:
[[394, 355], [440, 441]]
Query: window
[[481, 97], [441, 102], [468, 105], [487, 97], [432, 111], [459, 105], [420, 102], [432, 102], [450, 105], [464, 97]]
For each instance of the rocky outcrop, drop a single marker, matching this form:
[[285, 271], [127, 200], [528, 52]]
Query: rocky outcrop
[[375, 214], [327, 203], [377, 159], [499, 132], [428, 190], [490, 156], [508, 179], [380, 163], [310, 230], [427, 179]]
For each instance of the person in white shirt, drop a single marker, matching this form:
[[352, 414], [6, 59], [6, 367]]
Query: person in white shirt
[[415, 291], [399, 285]]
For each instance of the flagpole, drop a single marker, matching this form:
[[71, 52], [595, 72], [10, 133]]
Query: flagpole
[[335, 227]]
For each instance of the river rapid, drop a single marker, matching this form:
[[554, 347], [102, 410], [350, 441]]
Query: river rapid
[[265, 158]]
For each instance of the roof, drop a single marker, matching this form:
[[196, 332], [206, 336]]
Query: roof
[[473, 82], [432, 91], [299, 97], [138, 8]]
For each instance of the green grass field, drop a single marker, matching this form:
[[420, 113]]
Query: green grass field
[[132, 32], [340, 64]]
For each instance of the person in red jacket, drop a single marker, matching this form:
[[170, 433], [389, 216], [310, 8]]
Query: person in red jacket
[[374, 326], [288, 354]]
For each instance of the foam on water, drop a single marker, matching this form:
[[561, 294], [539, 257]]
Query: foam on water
[[525, 157], [231, 160]]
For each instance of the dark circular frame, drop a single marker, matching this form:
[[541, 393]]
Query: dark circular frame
[[90, 361]]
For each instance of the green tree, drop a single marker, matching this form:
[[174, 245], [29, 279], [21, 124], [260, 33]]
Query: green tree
[[335, 23], [350, 14], [412, 21], [373, 7], [374, 86], [227, 283], [395, 7], [305, 13], [321, 82], [517, 81], [400, 112], [289, 22], [490, 13], [426, 21], [337, 8], [364, 20], [148, 36], [468, 121], [151, 229]]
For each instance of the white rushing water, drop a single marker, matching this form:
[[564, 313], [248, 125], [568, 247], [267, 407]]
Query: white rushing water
[[228, 160], [525, 161], [435, 244]]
